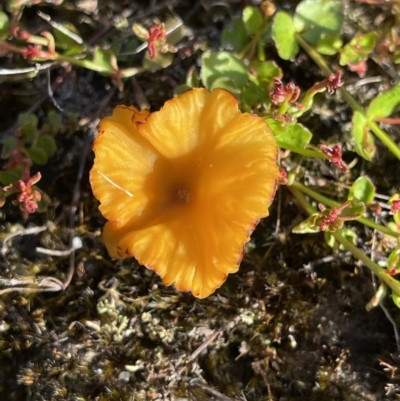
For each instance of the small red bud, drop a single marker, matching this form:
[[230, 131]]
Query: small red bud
[[334, 81], [335, 156], [395, 206]]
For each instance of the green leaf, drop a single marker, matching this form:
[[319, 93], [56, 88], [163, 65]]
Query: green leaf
[[358, 49], [47, 144], [329, 44], [353, 211], [252, 19], [4, 25], [313, 18], [251, 94], [141, 32], [9, 176], [363, 140], [161, 61], [283, 33], [226, 83], [393, 261], [176, 29], [266, 70], [28, 125], [37, 155], [347, 233], [105, 61], [290, 135], [305, 227], [223, 70], [362, 190], [385, 104], [393, 226], [67, 42], [378, 297], [396, 299], [235, 36], [9, 144], [55, 120]]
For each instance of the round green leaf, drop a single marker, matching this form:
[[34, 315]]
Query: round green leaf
[[316, 17], [28, 125], [47, 144], [252, 19], [55, 120], [362, 190], [37, 155], [329, 44], [385, 104], [9, 144], [283, 33], [9, 176], [224, 70], [226, 83], [358, 49], [251, 94], [267, 70], [235, 36], [290, 135]]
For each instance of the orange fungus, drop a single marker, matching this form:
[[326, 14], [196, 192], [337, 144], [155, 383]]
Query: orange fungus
[[183, 188]]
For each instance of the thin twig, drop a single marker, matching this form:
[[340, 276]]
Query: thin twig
[[212, 338], [45, 284], [209, 390], [36, 69], [23, 231], [50, 93], [60, 28], [53, 252]]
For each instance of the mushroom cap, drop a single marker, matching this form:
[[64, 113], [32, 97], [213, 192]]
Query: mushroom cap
[[183, 188]]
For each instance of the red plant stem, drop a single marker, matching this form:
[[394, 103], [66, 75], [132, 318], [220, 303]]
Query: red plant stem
[[389, 120]]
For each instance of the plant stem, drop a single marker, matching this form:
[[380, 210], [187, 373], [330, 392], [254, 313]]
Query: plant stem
[[88, 64], [384, 137], [250, 48], [331, 203], [323, 65], [358, 254], [317, 154]]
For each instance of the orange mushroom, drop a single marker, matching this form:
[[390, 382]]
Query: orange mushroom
[[183, 188]]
